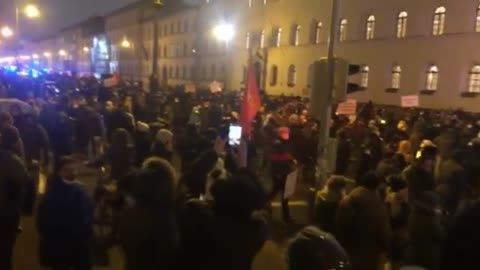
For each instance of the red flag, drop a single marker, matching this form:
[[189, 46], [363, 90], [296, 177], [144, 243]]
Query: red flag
[[250, 103]]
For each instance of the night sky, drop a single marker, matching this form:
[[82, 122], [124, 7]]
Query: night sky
[[57, 14]]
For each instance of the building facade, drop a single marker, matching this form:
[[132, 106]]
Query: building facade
[[425, 48]]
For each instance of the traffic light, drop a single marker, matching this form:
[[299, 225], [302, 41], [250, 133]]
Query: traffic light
[[320, 94]]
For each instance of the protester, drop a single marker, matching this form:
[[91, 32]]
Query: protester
[[13, 178], [120, 155], [328, 201], [363, 225], [148, 230], [163, 145], [281, 164], [65, 221], [313, 249]]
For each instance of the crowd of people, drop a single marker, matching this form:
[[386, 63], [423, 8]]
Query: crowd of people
[[403, 192]]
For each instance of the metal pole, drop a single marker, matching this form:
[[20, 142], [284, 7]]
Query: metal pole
[[326, 112], [154, 85]]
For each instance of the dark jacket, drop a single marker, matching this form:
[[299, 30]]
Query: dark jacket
[[13, 177], [213, 242], [65, 222], [363, 228]]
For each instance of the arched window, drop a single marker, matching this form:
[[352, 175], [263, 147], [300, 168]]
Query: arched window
[[477, 20], [439, 21], [203, 73], [273, 75], [247, 40], [295, 35], [343, 30], [317, 32], [474, 79], [402, 24], [396, 77], [364, 74], [292, 76], [177, 72], [432, 78], [370, 28], [170, 72], [278, 37], [262, 39]]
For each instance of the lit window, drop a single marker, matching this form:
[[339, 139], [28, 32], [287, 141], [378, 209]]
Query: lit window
[[177, 72], [170, 72], [474, 79], [295, 35], [292, 76], [370, 29], [262, 39], [310, 76], [396, 77], [273, 75], [247, 40], [402, 24], [278, 37], [432, 78], [250, 3], [343, 30], [318, 32], [364, 73], [439, 21], [477, 20]]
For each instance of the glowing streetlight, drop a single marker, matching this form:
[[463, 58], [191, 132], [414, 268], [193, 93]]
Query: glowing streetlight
[[62, 53], [31, 11], [126, 43], [6, 32], [224, 32], [35, 56], [86, 49], [47, 54]]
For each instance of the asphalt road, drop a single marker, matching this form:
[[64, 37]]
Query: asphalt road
[[271, 256]]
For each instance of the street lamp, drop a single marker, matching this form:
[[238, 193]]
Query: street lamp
[[224, 32], [62, 53], [47, 54], [31, 11], [35, 56], [126, 43], [86, 49], [6, 32]]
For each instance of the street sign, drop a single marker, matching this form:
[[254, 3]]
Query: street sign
[[410, 101], [348, 107]]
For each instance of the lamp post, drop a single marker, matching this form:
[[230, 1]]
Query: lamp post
[[30, 11], [224, 32]]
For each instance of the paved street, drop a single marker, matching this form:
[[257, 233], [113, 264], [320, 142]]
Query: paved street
[[271, 257]]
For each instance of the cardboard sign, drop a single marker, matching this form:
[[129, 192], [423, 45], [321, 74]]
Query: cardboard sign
[[348, 107], [410, 101], [290, 184], [110, 82], [190, 88], [215, 87]]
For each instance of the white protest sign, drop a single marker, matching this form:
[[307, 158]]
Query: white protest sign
[[348, 107], [290, 184], [110, 82], [410, 101], [215, 87]]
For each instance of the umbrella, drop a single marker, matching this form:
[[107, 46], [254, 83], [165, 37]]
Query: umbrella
[[6, 105]]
